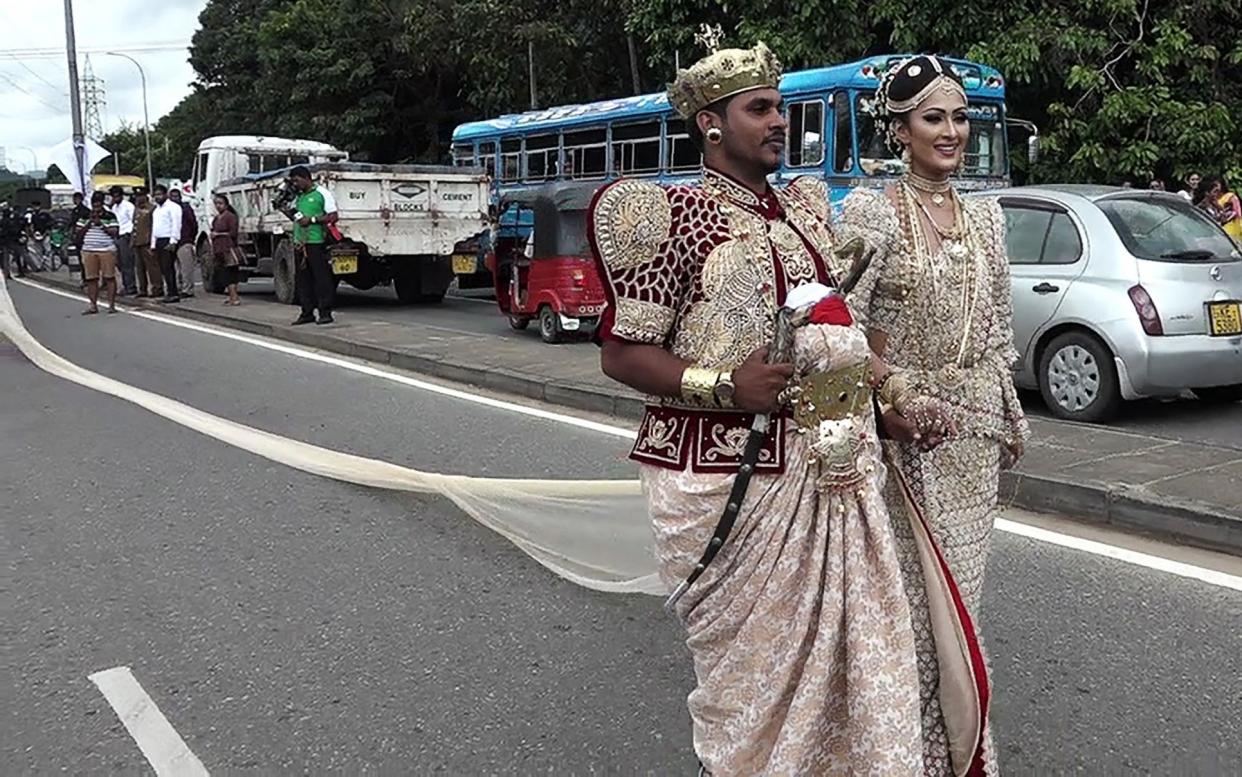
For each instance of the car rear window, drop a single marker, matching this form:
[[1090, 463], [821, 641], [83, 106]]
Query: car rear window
[[1168, 230]]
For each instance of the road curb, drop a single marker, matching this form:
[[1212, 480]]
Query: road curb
[[1126, 508]]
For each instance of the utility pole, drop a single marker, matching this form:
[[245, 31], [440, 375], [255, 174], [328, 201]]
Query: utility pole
[[530, 60], [75, 106], [629, 42]]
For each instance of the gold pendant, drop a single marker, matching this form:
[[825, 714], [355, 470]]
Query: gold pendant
[[937, 199]]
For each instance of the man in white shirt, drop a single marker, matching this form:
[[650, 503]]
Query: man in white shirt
[[123, 209], [165, 234]]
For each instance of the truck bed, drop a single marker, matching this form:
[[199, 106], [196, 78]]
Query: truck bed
[[393, 209]]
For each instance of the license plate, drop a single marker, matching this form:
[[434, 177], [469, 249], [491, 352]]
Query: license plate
[[463, 264], [344, 265], [1224, 318]]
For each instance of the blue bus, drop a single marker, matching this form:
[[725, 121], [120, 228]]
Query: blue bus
[[831, 134]]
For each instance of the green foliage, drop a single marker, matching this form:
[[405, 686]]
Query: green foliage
[[1121, 89]]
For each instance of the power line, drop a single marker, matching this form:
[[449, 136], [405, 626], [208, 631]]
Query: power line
[[24, 90], [32, 72], [45, 53]]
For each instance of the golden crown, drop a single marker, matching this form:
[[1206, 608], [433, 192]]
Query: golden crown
[[723, 74]]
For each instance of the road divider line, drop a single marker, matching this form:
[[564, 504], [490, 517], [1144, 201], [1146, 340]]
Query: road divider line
[[1159, 563], [1093, 547], [159, 742], [365, 369]]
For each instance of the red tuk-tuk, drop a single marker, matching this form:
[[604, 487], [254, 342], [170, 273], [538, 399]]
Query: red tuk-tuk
[[541, 261]]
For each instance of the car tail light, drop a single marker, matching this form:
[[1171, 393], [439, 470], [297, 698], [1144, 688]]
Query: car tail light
[[1146, 310], [579, 276]]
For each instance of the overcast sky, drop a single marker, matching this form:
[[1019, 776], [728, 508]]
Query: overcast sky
[[34, 101]]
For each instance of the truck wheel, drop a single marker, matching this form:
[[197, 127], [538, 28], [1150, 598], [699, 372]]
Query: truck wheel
[[549, 325], [213, 275], [284, 276]]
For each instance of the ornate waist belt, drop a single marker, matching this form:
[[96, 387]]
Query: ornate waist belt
[[832, 396]]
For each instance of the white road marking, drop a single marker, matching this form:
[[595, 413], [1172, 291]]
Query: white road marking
[[1179, 568], [157, 739], [365, 369], [1210, 576]]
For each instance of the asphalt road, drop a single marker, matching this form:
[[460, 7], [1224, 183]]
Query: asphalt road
[[1185, 419], [288, 623]]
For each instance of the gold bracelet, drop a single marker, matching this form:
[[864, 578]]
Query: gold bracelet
[[896, 391], [698, 385]]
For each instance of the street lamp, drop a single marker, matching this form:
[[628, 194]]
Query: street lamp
[[146, 129]]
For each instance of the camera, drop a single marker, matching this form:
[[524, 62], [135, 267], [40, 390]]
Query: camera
[[285, 196]]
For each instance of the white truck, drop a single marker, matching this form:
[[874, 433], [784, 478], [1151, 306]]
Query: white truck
[[399, 223]]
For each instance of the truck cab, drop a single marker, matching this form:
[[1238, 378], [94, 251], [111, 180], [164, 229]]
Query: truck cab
[[227, 157]]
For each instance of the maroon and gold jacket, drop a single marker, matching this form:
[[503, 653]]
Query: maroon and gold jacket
[[701, 271]]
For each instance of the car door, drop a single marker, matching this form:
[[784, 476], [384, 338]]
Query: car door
[[1046, 255]]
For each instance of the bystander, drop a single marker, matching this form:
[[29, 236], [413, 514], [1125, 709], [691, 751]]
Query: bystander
[[146, 265], [165, 233], [97, 235], [186, 257], [123, 209], [39, 224]]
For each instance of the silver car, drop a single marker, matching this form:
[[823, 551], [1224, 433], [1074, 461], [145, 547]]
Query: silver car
[[1120, 294]]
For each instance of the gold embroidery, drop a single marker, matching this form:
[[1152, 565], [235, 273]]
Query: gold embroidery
[[644, 322], [632, 219], [729, 442], [661, 436], [799, 267]]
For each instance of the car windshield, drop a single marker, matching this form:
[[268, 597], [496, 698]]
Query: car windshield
[[985, 151], [1168, 229]]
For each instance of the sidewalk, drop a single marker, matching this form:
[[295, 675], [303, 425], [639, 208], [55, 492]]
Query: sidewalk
[[1189, 492]]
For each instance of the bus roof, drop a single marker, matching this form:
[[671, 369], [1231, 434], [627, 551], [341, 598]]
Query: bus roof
[[982, 82]]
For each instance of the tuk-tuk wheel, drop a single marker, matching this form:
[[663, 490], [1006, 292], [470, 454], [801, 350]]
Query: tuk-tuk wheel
[[519, 322], [549, 325]]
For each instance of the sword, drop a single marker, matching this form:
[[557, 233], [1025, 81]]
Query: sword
[[781, 351]]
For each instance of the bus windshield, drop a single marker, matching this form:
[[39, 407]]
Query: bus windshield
[[985, 152]]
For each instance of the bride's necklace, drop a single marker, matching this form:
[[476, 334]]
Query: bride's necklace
[[939, 190]]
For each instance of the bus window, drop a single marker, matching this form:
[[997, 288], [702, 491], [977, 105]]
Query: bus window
[[463, 155], [985, 151], [586, 154], [254, 163], [682, 154], [542, 152], [805, 147], [511, 159], [487, 157], [874, 155], [636, 148], [843, 134]]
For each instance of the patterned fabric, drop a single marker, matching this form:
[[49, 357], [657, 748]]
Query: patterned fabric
[[799, 629], [965, 360], [970, 301], [702, 270]]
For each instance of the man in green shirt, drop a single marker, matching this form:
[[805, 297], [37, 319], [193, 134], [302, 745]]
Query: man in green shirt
[[315, 284]]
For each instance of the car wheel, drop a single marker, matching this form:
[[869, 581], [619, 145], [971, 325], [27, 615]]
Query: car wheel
[[1220, 393], [549, 325], [520, 322], [1078, 379]]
